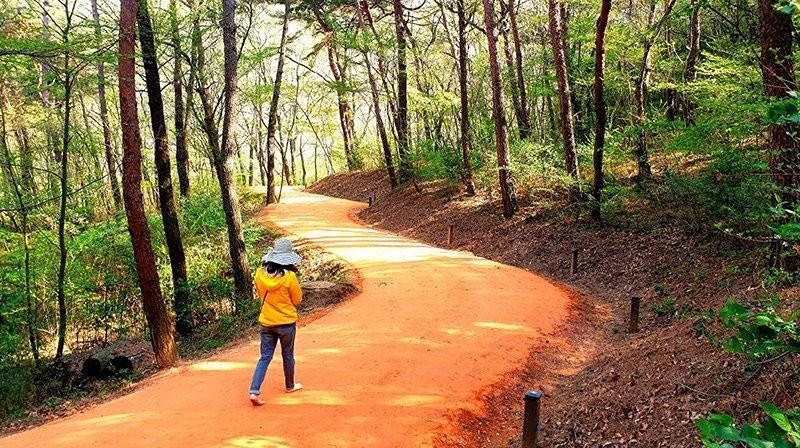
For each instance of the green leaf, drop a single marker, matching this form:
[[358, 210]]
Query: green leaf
[[777, 416], [733, 310]]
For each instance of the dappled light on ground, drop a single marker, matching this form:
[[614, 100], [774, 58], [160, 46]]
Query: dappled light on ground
[[502, 326], [257, 442], [219, 365], [415, 400], [308, 396], [430, 333]]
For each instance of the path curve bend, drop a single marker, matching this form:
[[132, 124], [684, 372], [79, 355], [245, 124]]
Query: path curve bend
[[431, 331]]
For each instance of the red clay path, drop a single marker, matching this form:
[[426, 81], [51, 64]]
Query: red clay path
[[430, 333]]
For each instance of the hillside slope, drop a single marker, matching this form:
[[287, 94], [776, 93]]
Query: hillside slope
[[612, 389]]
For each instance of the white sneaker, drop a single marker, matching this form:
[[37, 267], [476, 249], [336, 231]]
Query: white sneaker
[[297, 386]]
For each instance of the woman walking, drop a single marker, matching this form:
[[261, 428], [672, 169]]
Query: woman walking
[[280, 294]]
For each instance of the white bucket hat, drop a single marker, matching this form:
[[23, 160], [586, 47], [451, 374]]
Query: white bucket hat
[[281, 253]]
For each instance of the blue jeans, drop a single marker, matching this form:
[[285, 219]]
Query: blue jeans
[[269, 340]]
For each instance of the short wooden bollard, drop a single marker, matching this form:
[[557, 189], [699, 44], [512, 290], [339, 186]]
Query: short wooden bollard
[[530, 424], [574, 261], [371, 199], [634, 322], [450, 234]]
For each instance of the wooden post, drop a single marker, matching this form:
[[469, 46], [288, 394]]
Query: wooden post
[[450, 234], [371, 199], [574, 261], [530, 424], [634, 322]]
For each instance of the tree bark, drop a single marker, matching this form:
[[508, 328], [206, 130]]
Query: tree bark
[[401, 120], [469, 183], [181, 134], [230, 199], [166, 195], [599, 106], [273, 105], [777, 69], [507, 193], [161, 332], [564, 93]]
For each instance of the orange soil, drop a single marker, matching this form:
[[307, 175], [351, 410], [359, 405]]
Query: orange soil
[[428, 336]]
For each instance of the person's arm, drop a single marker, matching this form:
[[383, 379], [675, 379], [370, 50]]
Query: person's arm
[[295, 291]]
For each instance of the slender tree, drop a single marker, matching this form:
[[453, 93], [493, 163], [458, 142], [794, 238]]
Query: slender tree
[[166, 194], [339, 77], [31, 320], [507, 193], [181, 118], [469, 183], [641, 150], [224, 159], [111, 156], [564, 92], [273, 105], [599, 106], [362, 10], [161, 331], [69, 74], [690, 73], [401, 119]]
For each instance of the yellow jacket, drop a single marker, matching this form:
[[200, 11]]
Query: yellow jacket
[[283, 295]]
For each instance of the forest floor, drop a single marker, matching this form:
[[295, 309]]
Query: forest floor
[[615, 389]]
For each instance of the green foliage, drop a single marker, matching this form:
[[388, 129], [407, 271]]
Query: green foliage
[[781, 429], [733, 192], [431, 162], [666, 307], [760, 333]]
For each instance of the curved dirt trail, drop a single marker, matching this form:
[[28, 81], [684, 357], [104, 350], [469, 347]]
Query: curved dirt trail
[[431, 330]]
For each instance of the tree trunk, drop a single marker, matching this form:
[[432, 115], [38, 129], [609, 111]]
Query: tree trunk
[[230, 199], [302, 161], [111, 156], [401, 121], [564, 94], [512, 73], [262, 168], [273, 105], [690, 74], [363, 7], [671, 95], [599, 106], [166, 195], [469, 183], [641, 151], [181, 134], [158, 320], [507, 193], [524, 118], [64, 194], [345, 112], [31, 318], [777, 69]]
